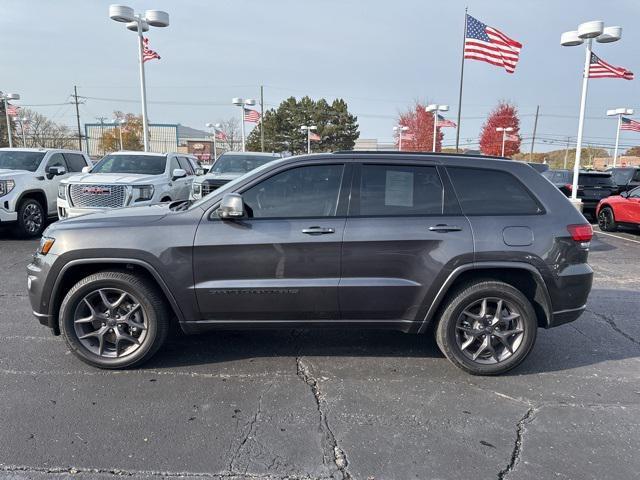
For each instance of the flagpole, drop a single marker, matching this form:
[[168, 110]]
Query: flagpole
[[143, 87], [464, 37], [615, 152]]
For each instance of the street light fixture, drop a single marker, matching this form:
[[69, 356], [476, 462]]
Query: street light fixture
[[243, 103], [435, 109], [619, 112], [308, 129], [22, 121], [504, 131], [399, 129], [215, 128], [585, 33], [140, 23], [5, 97], [119, 122]]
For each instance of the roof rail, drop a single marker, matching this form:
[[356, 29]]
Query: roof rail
[[431, 154]]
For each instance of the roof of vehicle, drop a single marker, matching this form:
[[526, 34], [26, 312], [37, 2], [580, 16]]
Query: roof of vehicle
[[133, 152], [24, 149], [582, 172], [630, 167], [253, 154]]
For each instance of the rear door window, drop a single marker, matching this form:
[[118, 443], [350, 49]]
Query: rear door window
[[491, 192], [392, 190]]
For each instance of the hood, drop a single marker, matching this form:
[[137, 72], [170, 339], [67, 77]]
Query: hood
[[117, 217], [221, 176], [112, 178], [8, 173]]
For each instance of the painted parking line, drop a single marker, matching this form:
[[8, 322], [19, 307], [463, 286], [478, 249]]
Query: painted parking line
[[598, 232]]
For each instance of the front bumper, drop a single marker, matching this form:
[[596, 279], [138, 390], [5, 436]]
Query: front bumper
[[65, 210], [6, 216]]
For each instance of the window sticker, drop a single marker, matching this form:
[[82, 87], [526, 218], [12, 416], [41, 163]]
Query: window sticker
[[398, 190]]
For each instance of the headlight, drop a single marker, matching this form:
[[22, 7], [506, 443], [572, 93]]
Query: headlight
[[6, 186], [45, 245], [62, 191], [142, 192]]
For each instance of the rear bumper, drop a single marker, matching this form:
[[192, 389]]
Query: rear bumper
[[565, 316], [571, 291]]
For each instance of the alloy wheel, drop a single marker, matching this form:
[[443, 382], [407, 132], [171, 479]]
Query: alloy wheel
[[110, 322], [32, 218], [489, 330], [604, 219]]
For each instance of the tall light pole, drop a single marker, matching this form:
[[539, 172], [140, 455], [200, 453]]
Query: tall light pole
[[619, 112], [5, 97], [308, 129], [215, 127], [140, 23], [586, 31], [24, 137], [243, 103], [399, 129], [119, 122], [435, 109], [504, 131]]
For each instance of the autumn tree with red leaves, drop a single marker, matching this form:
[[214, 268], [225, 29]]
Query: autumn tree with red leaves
[[419, 137], [504, 115]]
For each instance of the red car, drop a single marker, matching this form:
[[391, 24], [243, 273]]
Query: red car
[[619, 211]]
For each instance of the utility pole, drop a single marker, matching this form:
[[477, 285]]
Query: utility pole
[[566, 153], [533, 139], [262, 118], [75, 96]]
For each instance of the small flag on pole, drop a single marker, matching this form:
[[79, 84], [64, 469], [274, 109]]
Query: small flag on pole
[[443, 122], [147, 53], [12, 110], [511, 137], [314, 137], [628, 124], [488, 44], [598, 68], [252, 116], [220, 135]]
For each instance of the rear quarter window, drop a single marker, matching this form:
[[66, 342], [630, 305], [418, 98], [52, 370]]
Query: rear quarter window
[[491, 192]]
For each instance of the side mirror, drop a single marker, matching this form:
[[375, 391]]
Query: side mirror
[[55, 171], [624, 194], [200, 171], [86, 169], [231, 206], [178, 173]]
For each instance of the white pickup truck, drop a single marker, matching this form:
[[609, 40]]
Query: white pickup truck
[[126, 179], [29, 179]]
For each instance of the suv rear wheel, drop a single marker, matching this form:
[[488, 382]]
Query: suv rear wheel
[[114, 320], [487, 328], [31, 218]]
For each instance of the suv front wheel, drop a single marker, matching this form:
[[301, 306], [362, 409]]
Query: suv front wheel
[[487, 328], [114, 319], [31, 218]]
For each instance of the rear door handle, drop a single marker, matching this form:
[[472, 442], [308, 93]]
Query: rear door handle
[[318, 230], [444, 228]]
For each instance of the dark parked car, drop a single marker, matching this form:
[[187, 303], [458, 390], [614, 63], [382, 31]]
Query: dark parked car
[[483, 251], [592, 186], [626, 178]]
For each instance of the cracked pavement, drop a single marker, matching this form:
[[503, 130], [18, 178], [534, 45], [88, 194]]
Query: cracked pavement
[[277, 405]]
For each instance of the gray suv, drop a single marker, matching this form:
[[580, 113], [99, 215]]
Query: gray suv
[[481, 252]]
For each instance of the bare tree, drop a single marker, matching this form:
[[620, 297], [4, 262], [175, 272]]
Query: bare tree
[[44, 133], [233, 134]]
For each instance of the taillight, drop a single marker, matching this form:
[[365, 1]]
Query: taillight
[[581, 232], [568, 186]]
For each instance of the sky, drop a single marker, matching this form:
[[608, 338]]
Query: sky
[[380, 56]]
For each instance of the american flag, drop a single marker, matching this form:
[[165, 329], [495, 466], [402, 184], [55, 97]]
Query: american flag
[[314, 137], [628, 124], [220, 135], [252, 116], [409, 137], [12, 110], [598, 68], [443, 122], [510, 137], [490, 45], [147, 53]]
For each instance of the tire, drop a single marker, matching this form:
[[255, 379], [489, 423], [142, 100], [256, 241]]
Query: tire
[[102, 342], [606, 220], [31, 218], [460, 335]]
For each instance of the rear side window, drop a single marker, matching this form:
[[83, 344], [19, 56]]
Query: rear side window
[[75, 161], [387, 190], [491, 192]]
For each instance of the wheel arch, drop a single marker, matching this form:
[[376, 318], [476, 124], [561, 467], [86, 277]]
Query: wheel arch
[[523, 276], [36, 194], [75, 270]]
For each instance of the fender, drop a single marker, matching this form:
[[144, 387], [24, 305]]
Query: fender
[[34, 190], [482, 266], [141, 263]]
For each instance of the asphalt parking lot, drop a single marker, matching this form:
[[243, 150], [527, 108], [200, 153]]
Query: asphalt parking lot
[[327, 404]]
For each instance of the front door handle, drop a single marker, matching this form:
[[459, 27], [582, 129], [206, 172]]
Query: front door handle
[[318, 230], [444, 228]]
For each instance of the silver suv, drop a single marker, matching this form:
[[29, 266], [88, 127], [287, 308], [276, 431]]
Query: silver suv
[[124, 179], [29, 179]]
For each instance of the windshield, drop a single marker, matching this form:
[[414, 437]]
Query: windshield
[[141, 164], [16, 160], [228, 187], [621, 175], [239, 163], [595, 180]]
